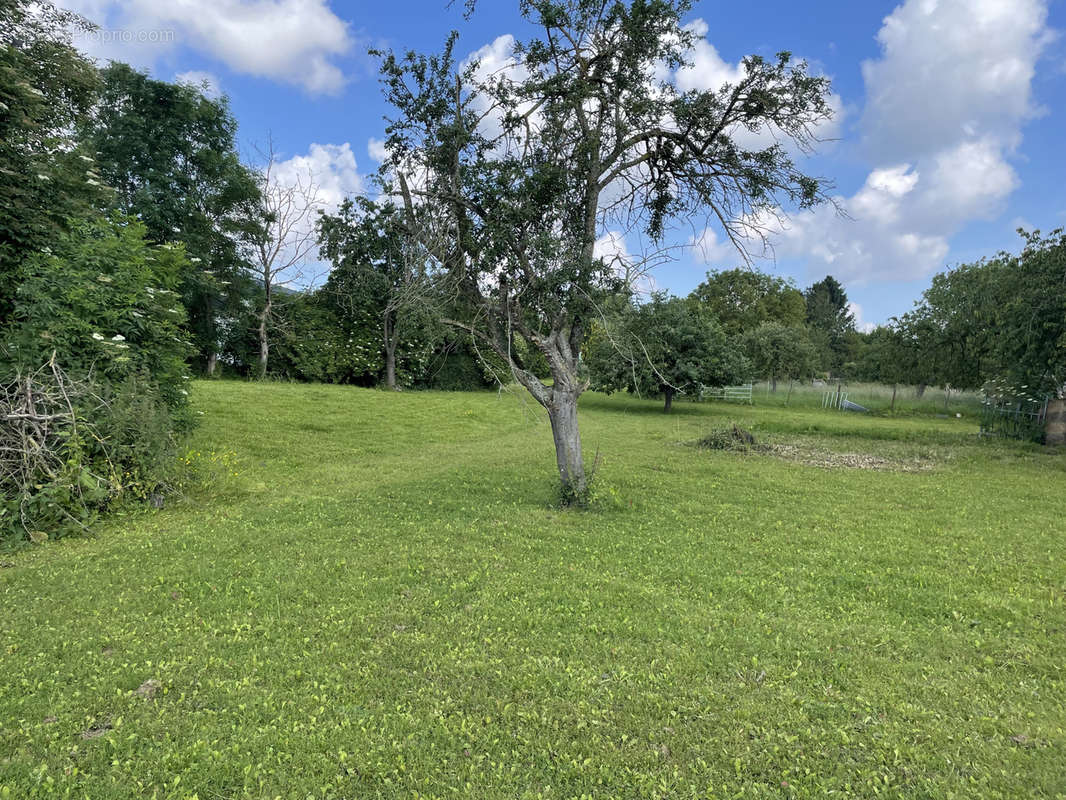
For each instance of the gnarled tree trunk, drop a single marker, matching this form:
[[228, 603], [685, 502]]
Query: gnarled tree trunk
[[562, 412], [668, 396]]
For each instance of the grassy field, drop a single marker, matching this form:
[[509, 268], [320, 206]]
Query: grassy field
[[382, 603], [877, 397]]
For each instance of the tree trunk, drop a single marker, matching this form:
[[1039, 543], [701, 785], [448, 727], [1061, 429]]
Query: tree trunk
[[773, 384], [388, 330], [921, 390], [562, 412], [212, 362], [264, 344], [390, 367], [894, 387], [788, 399], [668, 393]]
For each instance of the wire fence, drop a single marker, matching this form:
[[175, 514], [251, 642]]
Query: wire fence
[[1014, 418]]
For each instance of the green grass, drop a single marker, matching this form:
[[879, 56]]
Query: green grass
[[382, 603]]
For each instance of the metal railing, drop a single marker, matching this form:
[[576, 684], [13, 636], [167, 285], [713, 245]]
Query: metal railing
[[740, 394]]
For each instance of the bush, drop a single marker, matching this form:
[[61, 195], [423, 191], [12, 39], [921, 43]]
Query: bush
[[100, 421]]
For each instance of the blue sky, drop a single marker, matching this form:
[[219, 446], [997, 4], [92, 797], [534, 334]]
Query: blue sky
[[949, 136]]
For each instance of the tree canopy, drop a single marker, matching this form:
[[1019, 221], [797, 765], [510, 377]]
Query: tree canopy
[[526, 166], [666, 347]]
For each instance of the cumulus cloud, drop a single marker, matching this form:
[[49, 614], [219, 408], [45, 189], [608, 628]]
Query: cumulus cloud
[[331, 167], [290, 41], [945, 106], [706, 70], [326, 174]]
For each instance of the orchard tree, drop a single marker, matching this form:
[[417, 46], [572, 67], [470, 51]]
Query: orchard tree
[[663, 347], [742, 299], [381, 271], [778, 351], [526, 166], [1030, 343]]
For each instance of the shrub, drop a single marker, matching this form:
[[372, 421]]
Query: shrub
[[99, 422]]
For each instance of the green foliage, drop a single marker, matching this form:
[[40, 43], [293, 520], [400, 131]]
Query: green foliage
[[169, 153], [664, 346], [778, 351], [1002, 318], [383, 606], [380, 279], [742, 299], [46, 85], [1029, 344], [829, 321], [105, 302], [314, 342], [101, 305]]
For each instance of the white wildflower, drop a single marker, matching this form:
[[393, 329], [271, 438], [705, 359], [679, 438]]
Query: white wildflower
[[98, 336], [103, 278], [118, 337]]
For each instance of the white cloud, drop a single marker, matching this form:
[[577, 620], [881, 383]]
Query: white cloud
[[945, 106], [951, 70], [860, 323], [327, 174], [712, 250], [204, 81], [291, 41], [706, 69], [612, 248], [375, 148], [331, 167]]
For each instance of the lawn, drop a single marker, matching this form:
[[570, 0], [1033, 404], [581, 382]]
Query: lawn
[[383, 603]]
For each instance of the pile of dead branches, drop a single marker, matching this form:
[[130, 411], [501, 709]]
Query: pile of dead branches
[[39, 424]]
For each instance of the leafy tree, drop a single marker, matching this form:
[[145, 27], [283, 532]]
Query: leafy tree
[[663, 347], [525, 166], [996, 318], [829, 320], [168, 151], [379, 269], [46, 87], [779, 351], [743, 299], [1030, 328]]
